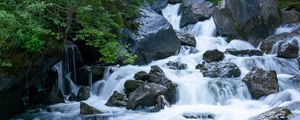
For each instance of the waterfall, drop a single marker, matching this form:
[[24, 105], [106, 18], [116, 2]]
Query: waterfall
[[226, 98], [60, 78], [70, 61]]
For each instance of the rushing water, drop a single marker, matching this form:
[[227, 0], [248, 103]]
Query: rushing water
[[227, 99]]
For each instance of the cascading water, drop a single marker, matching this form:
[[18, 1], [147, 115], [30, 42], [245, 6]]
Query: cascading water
[[227, 99]]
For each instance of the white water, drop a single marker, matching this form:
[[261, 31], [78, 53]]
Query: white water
[[287, 28], [227, 99]]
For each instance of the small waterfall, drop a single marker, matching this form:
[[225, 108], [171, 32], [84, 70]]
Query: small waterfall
[[287, 28], [70, 61], [171, 14], [60, 78]]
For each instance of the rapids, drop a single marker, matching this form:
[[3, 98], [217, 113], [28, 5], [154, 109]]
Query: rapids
[[196, 94]]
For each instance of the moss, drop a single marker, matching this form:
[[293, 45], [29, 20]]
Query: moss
[[215, 2], [289, 4]]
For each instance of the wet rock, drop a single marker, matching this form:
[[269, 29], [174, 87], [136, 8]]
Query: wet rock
[[193, 11], [186, 39], [268, 43], [213, 56], [155, 5], [154, 38], [162, 102], [72, 97], [175, 1], [142, 75], [83, 94], [290, 16], [289, 50], [278, 113], [132, 85], [86, 109], [146, 95], [176, 65], [199, 116], [252, 20], [47, 97], [261, 82], [236, 52], [117, 99], [219, 69], [157, 75]]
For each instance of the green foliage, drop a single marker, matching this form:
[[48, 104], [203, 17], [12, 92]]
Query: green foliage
[[289, 3], [32, 27], [215, 2]]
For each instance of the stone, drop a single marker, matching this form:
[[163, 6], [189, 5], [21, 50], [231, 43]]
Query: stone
[[244, 52], [146, 95], [154, 38], [83, 93], [117, 99], [261, 82], [278, 113], [219, 69], [142, 75], [86, 109], [186, 39], [132, 85], [193, 11], [213, 56], [176, 65]]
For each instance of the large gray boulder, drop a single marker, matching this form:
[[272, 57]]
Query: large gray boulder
[[154, 38], [131, 85], [261, 82], [155, 5], [195, 10], [278, 113], [146, 95], [251, 20], [219, 69]]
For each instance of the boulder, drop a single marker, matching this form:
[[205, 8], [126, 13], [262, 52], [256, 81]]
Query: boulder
[[278, 113], [186, 39], [205, 116], [146, 95], [176, 65], [47, 97], [162, 102], [290, 16], [86, 109], [261, 82], [157, 76], [131, 85], [249, 52], [252, 20], [289, 50], [155, 5], [193, 11], [117, 99], [219, 69], [83, 93], [175, 1], [154, 38], [142, 75], [213, 56], [268, 43]]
